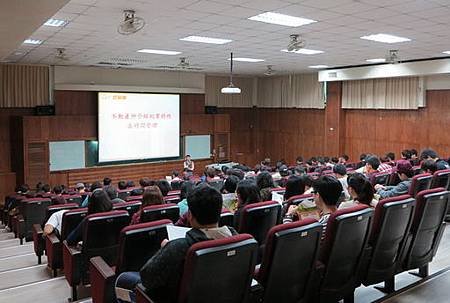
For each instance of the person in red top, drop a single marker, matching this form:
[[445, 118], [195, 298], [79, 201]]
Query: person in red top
[[152, 196]]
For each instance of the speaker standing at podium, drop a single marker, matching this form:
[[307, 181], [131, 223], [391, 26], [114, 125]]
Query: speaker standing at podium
[[188, 163]]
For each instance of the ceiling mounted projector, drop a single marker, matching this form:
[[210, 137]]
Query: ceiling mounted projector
[[269, 71], [131, 24], [296, 43], [231, 89], [393, 57]]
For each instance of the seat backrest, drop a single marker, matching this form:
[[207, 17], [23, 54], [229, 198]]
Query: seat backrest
[[70, 221], [34, 211], [417, 170], [226, 218], [218, 271], [172, 199], [420, 182], [134, 198], [101, 235], [297, 199], [55, 208], [258, 218], [123, 193], [347, 233], [290, 255], [380, 178], [431, 208], [394, 179], [158, 212], [391, 222], [73, 199], [131, 207], [441, 178], [149, 235]]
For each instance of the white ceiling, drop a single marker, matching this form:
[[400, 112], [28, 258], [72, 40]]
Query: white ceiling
[[91, 34]]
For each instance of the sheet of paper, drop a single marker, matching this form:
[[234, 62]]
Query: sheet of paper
[[277, 197], [176, 232]]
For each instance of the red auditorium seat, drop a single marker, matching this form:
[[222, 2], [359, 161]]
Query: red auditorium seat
[[346, 236], [38, 240], [380, 178], [258, 218], [289, 261], [218, 271], [134, 198], [394, 179], [53, 242], [426, 230], [158, 212], [73, 198], [131, 207], [172, 199], [391, 223], [100, 238], [441, 178], [130, 257], [419, 182], [226, 218], [123, 193], [31, 211]]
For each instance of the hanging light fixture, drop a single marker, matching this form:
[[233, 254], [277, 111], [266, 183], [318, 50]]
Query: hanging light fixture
[[231, 89]]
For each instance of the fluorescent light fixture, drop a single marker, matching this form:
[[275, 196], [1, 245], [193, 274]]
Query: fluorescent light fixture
[[158, 52], [230, 89], [318, 66], [385, 38], [446, 52], [247, 60], [32, 41], [376, 60], [206, 40], [304, 51], [281, 19], [55, 22]]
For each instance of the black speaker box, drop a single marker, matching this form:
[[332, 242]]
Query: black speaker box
[[45, 110], [211, 110]]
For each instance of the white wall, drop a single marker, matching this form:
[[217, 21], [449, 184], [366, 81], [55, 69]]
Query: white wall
[[109, 79], [437, 82]]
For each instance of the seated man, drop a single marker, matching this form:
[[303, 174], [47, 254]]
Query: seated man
[[327, 191], [429, 154], [405, 173], [112, 193], [161, 275], [54, 223], [96, 186]]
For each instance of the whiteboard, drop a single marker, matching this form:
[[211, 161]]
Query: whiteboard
[[199, 147], [66, 155]]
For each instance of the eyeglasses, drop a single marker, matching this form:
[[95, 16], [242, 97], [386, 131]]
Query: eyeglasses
[[314, 192]]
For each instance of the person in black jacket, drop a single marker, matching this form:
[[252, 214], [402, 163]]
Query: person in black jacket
[[161, 275]]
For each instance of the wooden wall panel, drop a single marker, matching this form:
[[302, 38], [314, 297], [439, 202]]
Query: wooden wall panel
[[334, 120], [7, 185], [75, 103], [192, 103], [221, 123], [197, 124]]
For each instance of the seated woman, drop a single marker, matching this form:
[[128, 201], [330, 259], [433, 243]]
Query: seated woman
[[405, 173], [360, 190], [295, 185], [247, 193], [152, 196], [264, 181], [99, 202]]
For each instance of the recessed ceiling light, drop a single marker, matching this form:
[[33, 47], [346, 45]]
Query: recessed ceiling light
[[55, 22], [206, 40], [318, 66], [446, 52], [32, 41], [376, 60], [158, 52], [304, 51], [281, 19], [247, 60], [385, 38]]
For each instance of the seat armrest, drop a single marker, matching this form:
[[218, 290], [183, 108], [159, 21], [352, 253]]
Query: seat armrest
[[72, 259], [440, 232], [141, 296], [38, 240], [20, 228], [102, 280], [53, 249]]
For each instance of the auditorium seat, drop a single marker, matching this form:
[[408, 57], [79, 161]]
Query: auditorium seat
[[174, 192], [172, 199], [391, 223], [218, 271], [73, 198], [53, 242], [380, 178], [158, 212], [100, 238], [123, 193], [419, 183], [441, 178], [340, 259], [131, 206], [417, 169], [258, 218], [226, 218], [130, 257], [133, 198], [31, 211], [176, 185], [394, 179], [38, 240], [296, 200], [289, 261], [426, 230]]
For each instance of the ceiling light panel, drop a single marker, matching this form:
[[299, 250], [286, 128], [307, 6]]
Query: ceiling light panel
[[159, 52], [319, 66], [385, 38], [208, 40], [252, 60], [32, 41], [304, 51], [55, 22], [376, 60], [281, 19]]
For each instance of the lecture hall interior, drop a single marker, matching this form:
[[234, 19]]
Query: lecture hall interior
[[224, 151]]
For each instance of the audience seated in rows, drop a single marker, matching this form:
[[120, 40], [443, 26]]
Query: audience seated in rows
[[161, 274], [429, 154], [152, 196], [340, 172], [405, 173]]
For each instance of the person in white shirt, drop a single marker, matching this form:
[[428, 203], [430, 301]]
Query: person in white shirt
[[188, 163], [54, 223], [341, 174]]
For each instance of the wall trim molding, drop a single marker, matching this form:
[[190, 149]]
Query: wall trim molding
[[126, 88]]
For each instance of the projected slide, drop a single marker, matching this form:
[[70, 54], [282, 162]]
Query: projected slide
[[135, 126]]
